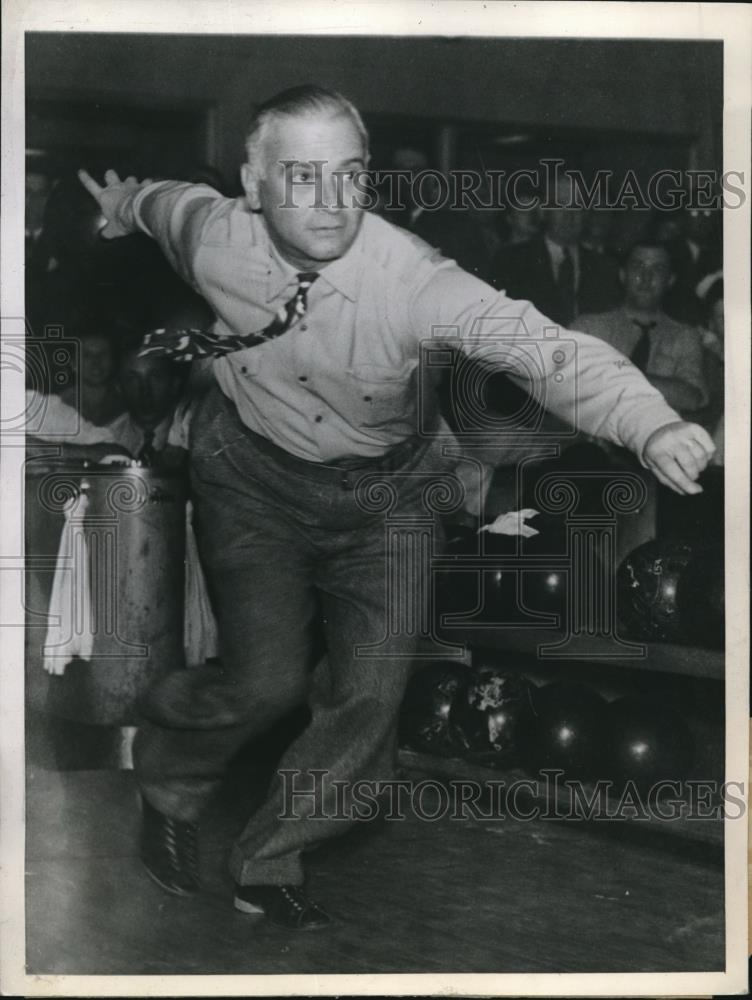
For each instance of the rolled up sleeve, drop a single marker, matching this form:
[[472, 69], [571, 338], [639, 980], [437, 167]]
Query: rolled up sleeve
[[578, 377]]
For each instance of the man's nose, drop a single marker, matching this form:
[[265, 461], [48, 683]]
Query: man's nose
[[333, 191]]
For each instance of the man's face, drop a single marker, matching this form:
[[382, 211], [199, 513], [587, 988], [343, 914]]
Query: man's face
[[564, 224], [321, 219], [97, 361], [699, 224], [647, 277], [150, 389]]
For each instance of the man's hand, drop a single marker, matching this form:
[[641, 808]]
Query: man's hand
[[677, 453], [111, 200]]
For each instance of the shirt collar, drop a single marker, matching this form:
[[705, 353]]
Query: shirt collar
[[342, 274], [556, 251]]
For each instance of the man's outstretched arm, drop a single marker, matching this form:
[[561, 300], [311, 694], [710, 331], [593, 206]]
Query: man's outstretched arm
[[580, 378], [171, 212]]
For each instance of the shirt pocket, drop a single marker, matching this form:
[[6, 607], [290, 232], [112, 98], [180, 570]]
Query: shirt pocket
[[381, 395]]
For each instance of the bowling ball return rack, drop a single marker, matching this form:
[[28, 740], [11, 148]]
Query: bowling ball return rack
[[697, 837]]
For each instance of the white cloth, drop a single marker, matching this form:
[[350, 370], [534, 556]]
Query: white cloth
[[69, 633], [50, 419], [200, 639]]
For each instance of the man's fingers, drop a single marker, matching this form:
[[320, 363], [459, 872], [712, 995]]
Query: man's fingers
[[688, 462], [703, 439], [528, 512], [671, 474], [111, 177], [94, 189]]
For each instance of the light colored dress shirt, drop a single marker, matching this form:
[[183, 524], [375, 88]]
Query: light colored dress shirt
[[343, 382], [675, 348]]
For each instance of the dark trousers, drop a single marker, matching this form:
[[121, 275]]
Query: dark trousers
[[283, 541]]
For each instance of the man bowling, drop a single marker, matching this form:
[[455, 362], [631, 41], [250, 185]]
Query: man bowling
[[321, 309]]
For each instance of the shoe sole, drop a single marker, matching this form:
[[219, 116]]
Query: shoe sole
[[242, 906], [172, 889]]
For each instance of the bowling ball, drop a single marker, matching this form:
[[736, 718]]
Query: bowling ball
[[424, 722], [512, 594], [566, 730], [647, 742], [701, 597], [647, 586], [489, 713]]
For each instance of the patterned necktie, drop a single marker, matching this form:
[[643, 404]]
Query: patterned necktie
[[186, 345], [567, 291], [641, 351]]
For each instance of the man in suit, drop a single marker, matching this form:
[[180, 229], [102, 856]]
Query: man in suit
[[695, 253], [560, 276], [452, 231]]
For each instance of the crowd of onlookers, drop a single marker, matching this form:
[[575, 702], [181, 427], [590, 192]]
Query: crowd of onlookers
[[659, 300]]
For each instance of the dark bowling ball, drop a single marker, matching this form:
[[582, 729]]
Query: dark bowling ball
[[490, 712], [647, 586], [425, 715], [535, 587], [566, 730], [702, 597], [647, 742]]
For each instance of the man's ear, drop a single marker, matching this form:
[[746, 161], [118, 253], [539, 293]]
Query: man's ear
[[250, 183]]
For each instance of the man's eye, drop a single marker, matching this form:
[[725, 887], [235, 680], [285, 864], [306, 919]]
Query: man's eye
[[302, 176]]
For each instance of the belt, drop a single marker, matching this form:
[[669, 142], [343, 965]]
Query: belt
[[344, 470]]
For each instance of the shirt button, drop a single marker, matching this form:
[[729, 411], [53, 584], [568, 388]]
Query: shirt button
[[368, 398], [319, 418], [304, 326], [244, 370], [302, 378]]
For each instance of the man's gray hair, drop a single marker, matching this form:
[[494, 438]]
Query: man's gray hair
[[296, 103]]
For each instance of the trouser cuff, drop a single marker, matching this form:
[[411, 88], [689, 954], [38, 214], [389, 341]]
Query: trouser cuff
[[287, 870]]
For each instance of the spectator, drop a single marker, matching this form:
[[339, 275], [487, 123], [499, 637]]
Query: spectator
[[521, 220], [669, 353], [556, 272], [597, 230], [151, 388], [452, 231], [96, 393], [695, 253]]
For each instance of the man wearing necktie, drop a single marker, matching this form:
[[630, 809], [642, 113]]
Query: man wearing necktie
[[669, 353], [555, 271], [298, 415]]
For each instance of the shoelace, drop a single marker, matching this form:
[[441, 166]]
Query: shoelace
[[182, 851]]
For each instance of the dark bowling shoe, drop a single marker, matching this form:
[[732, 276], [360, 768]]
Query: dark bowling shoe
[[169, 851], [284, 905]]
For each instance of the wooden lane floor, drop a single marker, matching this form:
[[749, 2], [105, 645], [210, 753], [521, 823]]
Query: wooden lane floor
[[409, 896]]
